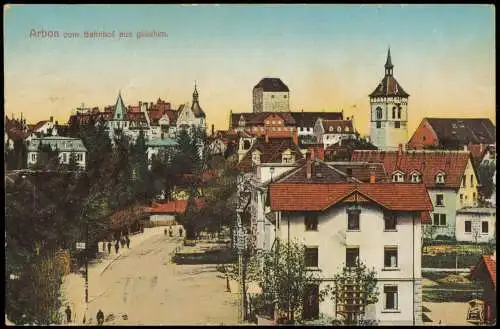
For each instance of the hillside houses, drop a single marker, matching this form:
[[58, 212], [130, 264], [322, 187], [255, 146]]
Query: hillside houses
[[449, 176]]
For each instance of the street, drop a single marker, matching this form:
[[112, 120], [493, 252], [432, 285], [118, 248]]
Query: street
[[142, 286]]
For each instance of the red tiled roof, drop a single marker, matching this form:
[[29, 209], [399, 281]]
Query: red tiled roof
[[172, 207], [491, 267], [308, 119], [17, 134], [318, 197], [427, 163]]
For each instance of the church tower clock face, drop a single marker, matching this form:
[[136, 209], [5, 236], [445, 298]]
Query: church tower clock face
[[389, 111]]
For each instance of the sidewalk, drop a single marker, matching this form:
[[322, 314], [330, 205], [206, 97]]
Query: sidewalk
[[73, 287]]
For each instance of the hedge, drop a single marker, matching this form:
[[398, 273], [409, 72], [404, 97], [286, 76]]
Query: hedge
[[449, 261]]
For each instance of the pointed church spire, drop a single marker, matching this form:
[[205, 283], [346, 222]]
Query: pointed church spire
[[119, 107], [388, 63], [195, 93]]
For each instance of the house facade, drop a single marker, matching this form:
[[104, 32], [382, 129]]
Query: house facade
[[389, 111], [449, 176], [65, 147], [333, 221], [330, 132], [476, 225], [192, 115], [271, 95], [474, 135]]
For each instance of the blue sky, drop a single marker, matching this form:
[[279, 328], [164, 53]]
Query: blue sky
[[331, 56]]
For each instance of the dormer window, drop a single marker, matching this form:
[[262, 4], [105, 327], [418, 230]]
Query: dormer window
[[256, 157], [440, 178], [416, 177], [398, 177], [331, 129], [287, 157], [339, 129], [346, 129]]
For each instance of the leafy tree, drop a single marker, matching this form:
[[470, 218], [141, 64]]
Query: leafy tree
[[354, 288], [143, 187], [485, 173], [284, 277]]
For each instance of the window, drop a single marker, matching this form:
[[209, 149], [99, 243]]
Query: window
[[415, 178], [64, 157], [353, 221], [79, 157], [394, 112], [349, 172], [468, 226], [399, 112], [391, 297], [379, 124], [287, 158], [439, 220], [423, 138], [440, 179], [311, 256], [485, 162], [256, 157], [463, 181], [461, 198], [390, 256], [398, 177], [472, 180], [397, 124], [484, 227], [440, 200], [352, 257], [474, 196], [284, 96], [339, 129], [273, 122], [311, 222], [118, 115], [272, 96], [390, 222], [379, 113]]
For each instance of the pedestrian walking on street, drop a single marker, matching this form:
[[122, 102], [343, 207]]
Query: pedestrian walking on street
[[109, 247], [170, 232], [122, 242], [100, 318], [117, 246], [128, 241], [68, 314], [104, 246], [180, 231], [165, 232]]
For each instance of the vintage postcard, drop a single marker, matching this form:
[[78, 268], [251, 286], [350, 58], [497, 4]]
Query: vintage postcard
[[237, 164]]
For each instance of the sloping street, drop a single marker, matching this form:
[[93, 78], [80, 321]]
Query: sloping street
[[142, 286]]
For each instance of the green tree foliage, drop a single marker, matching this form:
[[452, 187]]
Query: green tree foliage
[[284, 276], [143, 181], [485, 173]]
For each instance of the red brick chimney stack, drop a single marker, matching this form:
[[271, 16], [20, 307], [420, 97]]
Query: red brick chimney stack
[[308, 165], [372, 175]]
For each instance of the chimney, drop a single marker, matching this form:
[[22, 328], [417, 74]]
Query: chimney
[[213, 129], [308, 165], [51, 119], [372, 175]]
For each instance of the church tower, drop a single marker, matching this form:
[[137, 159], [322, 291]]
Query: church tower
[[389, 111]]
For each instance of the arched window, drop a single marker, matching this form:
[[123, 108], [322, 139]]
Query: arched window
[[399, 112], [339, 129], [379, 113]]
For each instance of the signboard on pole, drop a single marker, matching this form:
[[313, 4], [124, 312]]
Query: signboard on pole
[[80, 245]]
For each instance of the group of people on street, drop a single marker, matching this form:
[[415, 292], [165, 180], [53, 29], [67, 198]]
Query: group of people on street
[[171, 232], [99, 316], [123, 241]]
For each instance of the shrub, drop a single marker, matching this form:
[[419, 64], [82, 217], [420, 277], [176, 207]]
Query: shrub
[[449, 261]]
